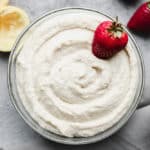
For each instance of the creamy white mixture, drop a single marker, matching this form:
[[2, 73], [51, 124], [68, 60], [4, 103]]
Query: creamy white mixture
[[64, 87]]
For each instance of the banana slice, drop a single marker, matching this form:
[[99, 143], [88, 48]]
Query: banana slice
[[12, 21], [4, 2]]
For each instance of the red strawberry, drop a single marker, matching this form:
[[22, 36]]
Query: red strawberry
[[109, 38], [140, 21]]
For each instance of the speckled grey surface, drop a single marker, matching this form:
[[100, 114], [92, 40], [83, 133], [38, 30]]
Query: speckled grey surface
[[135, 135]]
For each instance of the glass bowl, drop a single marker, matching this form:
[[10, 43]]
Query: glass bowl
[[26, 116]]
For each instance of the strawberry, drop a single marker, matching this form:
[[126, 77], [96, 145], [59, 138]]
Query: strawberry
[[140, 21], [109, 38]]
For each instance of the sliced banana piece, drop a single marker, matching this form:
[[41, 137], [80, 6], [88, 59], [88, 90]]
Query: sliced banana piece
[[12, 21], [4, 2]]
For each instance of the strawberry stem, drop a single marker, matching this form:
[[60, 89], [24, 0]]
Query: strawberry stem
[[116, 19], [148, 4], [116, 28]]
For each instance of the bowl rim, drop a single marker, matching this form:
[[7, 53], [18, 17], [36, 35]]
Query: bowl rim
[[58, 138]]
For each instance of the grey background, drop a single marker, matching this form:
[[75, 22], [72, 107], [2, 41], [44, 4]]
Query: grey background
[[135, 135]]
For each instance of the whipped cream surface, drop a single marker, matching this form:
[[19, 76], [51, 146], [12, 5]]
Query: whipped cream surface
[[64, 87]]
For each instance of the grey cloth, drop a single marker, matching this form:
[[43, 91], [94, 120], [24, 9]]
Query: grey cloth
[[135, 135]]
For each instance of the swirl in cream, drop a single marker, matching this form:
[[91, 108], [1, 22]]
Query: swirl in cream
[[64, 87]]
